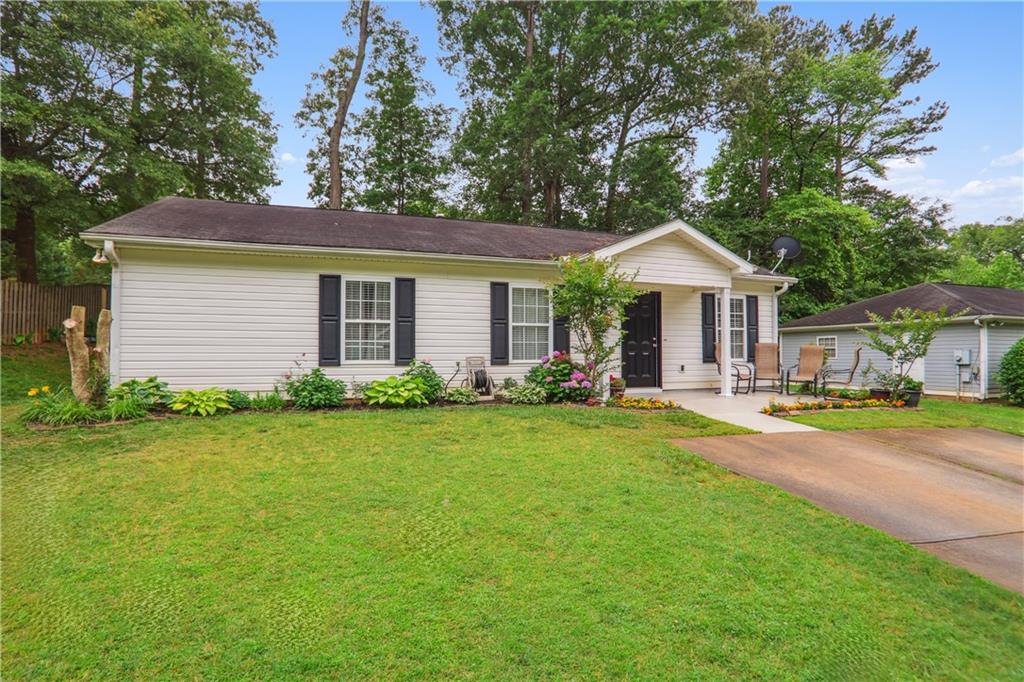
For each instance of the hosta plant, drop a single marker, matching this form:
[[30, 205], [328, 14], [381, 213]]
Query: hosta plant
[[152, 392], [462, 395], [396, 392], [201, 403], [526, 394]]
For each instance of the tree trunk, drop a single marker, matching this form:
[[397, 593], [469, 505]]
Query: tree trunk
[[78, 353], [525, 176], [613, 172], [103, 341], [344, 101], [25, 244]]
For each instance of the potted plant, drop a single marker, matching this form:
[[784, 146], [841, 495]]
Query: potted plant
[[617, 385], [912, 391]]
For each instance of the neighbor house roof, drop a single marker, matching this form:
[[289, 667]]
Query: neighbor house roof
[[224, 221], [959, 299]]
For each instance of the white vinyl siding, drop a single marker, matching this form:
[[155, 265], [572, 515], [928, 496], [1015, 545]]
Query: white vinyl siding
[[531, 323], [671, 260], [367, 320]]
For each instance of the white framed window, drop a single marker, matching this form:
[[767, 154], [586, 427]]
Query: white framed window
[[737, 326], [530, 323], [830, 344], [367, 308]]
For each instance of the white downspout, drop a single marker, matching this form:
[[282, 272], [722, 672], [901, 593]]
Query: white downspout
[[725, 340], [982, 358], [115, 311], [775, 311]]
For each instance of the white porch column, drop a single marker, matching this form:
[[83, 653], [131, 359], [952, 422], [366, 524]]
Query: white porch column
[[725, 341]]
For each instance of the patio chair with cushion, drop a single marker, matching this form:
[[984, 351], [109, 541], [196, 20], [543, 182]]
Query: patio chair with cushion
[[767, 366], [808, 368], [843, 377], [741, 371], [477, 377]]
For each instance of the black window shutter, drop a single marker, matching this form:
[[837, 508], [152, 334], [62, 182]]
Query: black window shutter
[[561, 334], [751, 326], [330, 321], [405, 320], [707, 326], [499, 323]]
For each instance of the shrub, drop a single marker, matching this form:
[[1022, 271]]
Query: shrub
[[527, 394], [639, 403], [561, 378], [315, 390], [127, 408], [60, 408], [267, 403], [465, 396], [396, 392], [152, 392], [201, 403], [509, 383], [1011, 373], [433, 385], [238, 400]]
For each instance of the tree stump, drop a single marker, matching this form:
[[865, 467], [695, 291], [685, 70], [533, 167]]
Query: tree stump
[[78, 353], [103, 341]]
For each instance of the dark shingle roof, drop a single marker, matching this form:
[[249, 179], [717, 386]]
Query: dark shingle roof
[[201, 219], [930, 296]]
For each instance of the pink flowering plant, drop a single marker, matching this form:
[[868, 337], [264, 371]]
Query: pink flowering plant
[[561, 378]]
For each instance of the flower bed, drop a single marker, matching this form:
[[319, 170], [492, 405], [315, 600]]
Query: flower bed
[[774, 408], [638, 403]]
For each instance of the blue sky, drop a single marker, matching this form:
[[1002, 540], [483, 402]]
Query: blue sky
[[978, 168]]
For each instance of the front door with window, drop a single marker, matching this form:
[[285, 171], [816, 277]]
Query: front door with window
[[641, 363]]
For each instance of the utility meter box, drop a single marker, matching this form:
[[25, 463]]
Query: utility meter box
[[962, 357]]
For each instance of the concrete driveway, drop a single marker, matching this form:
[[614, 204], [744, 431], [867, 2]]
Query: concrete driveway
[[957, 493]]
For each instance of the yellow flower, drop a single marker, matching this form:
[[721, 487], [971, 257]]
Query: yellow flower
[[45, 389], [32, 391]]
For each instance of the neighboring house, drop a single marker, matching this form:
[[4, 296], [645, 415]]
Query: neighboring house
[[962, 359], [216, 293]]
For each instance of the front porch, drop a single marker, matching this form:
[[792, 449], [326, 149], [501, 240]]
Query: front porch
[[742, 410]]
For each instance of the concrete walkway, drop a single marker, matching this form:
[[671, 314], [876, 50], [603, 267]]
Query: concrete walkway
[[955, 493], [742, 410]]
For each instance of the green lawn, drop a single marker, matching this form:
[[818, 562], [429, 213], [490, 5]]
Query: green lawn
[[933, 413], [498, 542]]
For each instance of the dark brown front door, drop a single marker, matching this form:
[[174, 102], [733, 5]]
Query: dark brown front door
[[640, 357]]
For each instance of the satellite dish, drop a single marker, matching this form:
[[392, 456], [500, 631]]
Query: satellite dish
[[786, 248]]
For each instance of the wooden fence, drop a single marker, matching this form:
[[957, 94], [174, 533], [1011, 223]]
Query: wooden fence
[[33, 309]]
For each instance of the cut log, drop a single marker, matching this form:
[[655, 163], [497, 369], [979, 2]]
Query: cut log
[[78, 353], [103, 341]]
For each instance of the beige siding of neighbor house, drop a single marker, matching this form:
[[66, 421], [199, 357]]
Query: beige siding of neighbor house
[[202, 319]]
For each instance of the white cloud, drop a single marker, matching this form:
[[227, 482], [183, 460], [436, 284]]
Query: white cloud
[[987, 188], [1011, 159], [915, 163], [986, 148], [288, 157]]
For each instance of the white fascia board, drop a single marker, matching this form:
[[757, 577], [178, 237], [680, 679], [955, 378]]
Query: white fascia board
[[95, 239], [754, 277], [689, 233]]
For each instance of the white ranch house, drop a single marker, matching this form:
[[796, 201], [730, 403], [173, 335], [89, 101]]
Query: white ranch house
[[211, 293]]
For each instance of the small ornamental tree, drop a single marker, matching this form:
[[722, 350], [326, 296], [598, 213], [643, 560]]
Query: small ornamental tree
[[904, 338], [592, 296], [1011, 373]]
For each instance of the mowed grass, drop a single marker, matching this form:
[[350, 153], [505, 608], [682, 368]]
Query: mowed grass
[[491, 542], [933, 414]]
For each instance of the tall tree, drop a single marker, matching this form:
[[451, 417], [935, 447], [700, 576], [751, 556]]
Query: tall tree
[[400, 133], [344, 101]]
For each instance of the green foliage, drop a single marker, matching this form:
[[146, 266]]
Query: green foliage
[[526, 394], [269, 402], [202, 403], [152, 392], [509, 382], [592, 295], [904, 339], [1011, 373], [1004, 270], [402, 391], [315, 390], [462, 395], [61, 408], [238, 399], [984, 242], [127, 408], [562, 379], [433, 384]]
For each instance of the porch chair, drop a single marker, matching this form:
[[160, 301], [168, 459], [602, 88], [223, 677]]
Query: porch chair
[[477, 377], [840, 376], [808, 368], [767, 366], [741, 371]]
